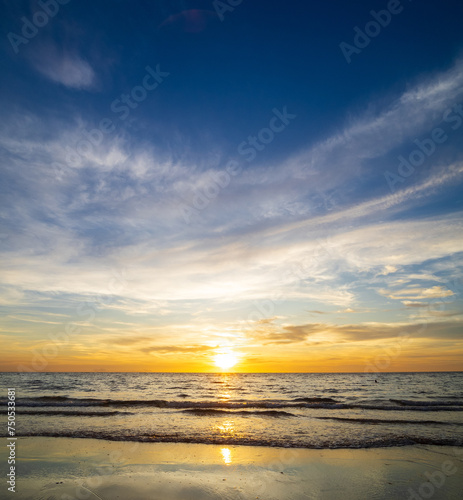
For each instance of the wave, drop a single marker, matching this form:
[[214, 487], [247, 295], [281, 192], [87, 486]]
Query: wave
[[309, 403], [404, 408], [385, 421], [260, 413], [72, 413], [52, 398], [315, 400], [407, 402], [358, 443]]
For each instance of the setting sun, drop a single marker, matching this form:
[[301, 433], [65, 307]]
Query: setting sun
[[225, 359]]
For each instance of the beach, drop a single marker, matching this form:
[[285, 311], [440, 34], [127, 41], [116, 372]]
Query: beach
[[234, 436], [64, 469]]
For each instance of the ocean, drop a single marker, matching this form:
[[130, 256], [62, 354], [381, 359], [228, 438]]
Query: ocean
[[304, 410]]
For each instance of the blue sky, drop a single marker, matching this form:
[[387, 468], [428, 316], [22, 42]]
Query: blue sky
[[180, 178]]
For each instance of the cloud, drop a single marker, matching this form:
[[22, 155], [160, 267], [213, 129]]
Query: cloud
[[416, 293], [119, 209], [388, 270], [445, 314], [326, 333], [287, 335], [34, 320], [197, 349], [340, 163], [415, 304], [128, 340], [64, 67]]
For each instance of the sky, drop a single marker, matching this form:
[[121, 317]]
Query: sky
[[254, 186]]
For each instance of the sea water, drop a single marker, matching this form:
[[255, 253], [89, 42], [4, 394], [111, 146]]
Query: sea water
[[307, 410]]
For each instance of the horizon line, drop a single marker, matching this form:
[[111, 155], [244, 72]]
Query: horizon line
[[252, 373]]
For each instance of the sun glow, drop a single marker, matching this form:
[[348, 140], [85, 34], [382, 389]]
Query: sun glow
[[225, 359], [226, 456]]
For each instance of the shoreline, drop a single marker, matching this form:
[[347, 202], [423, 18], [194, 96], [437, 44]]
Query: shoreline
[[227, 442], [56, 467]]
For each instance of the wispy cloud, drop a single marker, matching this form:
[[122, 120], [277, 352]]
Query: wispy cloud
[[416, 293], [64, 67], [172, 349], [326, 333], [415, 304], [119, 209]]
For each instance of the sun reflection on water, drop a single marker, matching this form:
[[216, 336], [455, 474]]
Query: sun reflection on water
[[227, 428], [226, 456]]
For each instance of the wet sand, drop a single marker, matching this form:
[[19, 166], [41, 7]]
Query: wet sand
[[65, 469]]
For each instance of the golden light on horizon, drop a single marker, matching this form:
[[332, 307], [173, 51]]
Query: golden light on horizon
[[225, 359]]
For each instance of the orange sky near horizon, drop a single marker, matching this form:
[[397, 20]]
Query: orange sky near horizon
[[399, 355]]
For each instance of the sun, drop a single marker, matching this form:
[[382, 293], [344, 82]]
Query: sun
[[225, 359]]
